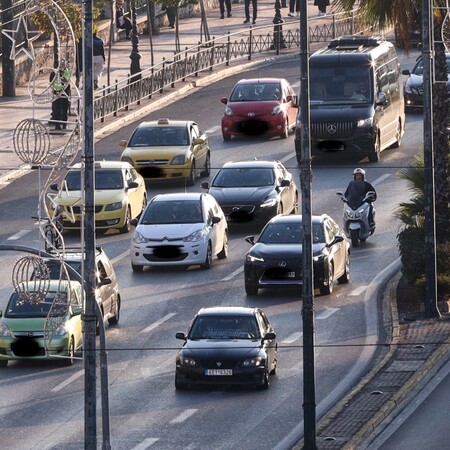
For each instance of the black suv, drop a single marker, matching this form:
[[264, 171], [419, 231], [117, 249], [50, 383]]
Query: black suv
[[107, 288]]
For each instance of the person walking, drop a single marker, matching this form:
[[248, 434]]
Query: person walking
[[171, 15], [223, 4], [60, 79], [122, 21], [247, 10], [322, 5], [98, 58], [294, 4]]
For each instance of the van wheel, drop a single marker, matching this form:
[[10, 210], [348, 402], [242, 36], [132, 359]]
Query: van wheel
[[207, 170], [398, 136], [114, 320], [70, 359], [191, 178], [376, 155], [127, 225]]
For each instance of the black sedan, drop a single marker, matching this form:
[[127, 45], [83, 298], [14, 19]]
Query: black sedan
[[254, 190], [413, 87], [275, 260], [227, 345]]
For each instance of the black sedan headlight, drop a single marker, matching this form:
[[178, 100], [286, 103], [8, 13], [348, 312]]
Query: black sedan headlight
[[253, 362], [185, 361], [251, 259]]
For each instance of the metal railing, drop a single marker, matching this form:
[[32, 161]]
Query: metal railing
[[272, 39]]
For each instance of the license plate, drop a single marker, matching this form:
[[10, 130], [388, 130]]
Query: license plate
[[219, 372]]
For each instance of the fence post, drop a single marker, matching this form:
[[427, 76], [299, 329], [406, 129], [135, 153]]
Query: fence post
[[174, 70], [197, 60], [250, 39], [352, 23], [116, 99], [163, 76], [185, 64], [228, 49], [213, 51]]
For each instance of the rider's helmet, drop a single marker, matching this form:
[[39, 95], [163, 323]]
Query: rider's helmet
[[360, 172]]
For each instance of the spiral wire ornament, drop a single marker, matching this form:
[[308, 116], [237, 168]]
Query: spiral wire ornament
[[31, 141]]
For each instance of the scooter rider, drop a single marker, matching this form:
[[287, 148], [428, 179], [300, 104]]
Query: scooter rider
[[357, 189]]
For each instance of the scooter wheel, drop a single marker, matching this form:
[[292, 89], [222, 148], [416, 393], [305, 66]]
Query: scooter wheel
[[354, 236]]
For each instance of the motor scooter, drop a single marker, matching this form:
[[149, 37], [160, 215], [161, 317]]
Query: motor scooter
[[356, 218]]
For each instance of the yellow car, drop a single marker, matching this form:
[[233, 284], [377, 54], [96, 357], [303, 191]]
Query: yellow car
[[168, 149], [120, 195]]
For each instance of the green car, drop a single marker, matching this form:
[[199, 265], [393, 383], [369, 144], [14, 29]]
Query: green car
[[25, 324]]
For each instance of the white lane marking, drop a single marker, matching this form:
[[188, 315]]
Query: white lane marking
[[327, 313], [292, 338], [158, 323], [358, 291], [382, 178], [296, 84], [233, 274], [119, 258], [18, 235], [184, 416], [147, 443], [68, 381], [147, 372], [213, 129]]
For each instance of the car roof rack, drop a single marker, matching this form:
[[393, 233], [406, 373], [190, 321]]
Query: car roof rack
[[355, 42]]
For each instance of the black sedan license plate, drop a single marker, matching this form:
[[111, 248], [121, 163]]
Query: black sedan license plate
[[219, 372]]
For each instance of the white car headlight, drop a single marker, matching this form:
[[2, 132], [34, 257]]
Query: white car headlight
[[365, 122], [228, 111], [138, 238], [179, 160], [4, 330], [252, 259], [252, 362], [113, 206], [197, 235], [269, 202], [277, 110], [61, 330]]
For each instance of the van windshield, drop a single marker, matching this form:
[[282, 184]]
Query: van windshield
[[336, 84]]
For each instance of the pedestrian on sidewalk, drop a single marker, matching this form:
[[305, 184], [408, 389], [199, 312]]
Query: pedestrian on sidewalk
[[98, 58], [294, 4], [122, 21], [60, 79], [222, 4], [322, 5], [247, 11], [171, 15]]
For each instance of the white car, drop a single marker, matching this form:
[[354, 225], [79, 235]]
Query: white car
[[179, 229]]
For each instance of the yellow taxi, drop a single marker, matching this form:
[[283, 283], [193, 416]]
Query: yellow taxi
[[168, 150], [120, 196]]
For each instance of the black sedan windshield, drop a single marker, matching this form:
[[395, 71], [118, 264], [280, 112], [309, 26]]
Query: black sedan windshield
[[224, 327], [281, 233], [244, 178]]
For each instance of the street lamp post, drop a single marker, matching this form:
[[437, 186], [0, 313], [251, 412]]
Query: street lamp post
[[135, 56]]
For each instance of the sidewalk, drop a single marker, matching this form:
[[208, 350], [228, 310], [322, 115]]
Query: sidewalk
[[14, 110]]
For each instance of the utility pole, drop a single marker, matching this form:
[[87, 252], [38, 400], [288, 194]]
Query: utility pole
[[90, 319], [8, 65], [309, 382], [431, 308]]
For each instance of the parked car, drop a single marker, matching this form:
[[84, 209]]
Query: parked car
[[227, 345], [413, 87], [24, 324], [106, 288], [259, 106], [275, 259], [254, 190], [120, 195], [179, 229], [168, 150]]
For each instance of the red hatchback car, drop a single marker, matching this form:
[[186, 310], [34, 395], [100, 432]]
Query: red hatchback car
[[264, 106]]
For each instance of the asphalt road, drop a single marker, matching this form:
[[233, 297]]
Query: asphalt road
[[46, 402]]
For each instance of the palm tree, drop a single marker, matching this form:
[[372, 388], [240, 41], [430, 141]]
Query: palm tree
[[385, 13]]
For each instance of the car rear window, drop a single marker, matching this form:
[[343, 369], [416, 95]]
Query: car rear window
[[159, 136]]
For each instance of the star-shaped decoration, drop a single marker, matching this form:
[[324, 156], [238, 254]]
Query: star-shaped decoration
[[30, 36], [68, 210]]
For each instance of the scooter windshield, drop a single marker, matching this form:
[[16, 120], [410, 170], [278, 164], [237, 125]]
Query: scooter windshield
[[356, 193]]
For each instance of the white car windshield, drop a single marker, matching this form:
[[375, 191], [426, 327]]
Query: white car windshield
[[173, 212]]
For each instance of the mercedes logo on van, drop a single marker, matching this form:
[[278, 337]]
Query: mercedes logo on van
[[251, 114], [331, 128]]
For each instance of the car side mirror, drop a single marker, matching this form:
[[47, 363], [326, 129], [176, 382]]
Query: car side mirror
[[250, 239], [204, 185], [181, 336], [123, 143], [294, 100], [381, 99], [285, 183], [1, 313], [134, 222], [269, 336], [76, 310], [54, 186], [133, 184], [198, 141], [104, 282], [406, 72], [215, 219], [336, 240], [224, 100]]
